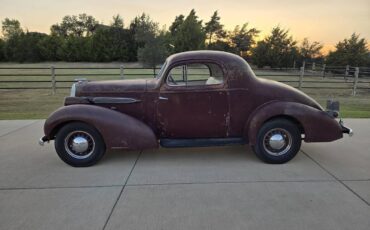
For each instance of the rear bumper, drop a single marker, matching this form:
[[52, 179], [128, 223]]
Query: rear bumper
[[333, 111]]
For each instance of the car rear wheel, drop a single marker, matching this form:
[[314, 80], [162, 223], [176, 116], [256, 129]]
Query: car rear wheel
[[278, 141], [79, 144]]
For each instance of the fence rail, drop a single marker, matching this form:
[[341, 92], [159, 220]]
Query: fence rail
[[308, 76]]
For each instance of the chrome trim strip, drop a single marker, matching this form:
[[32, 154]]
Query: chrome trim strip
[[114, 100], [163, 98], [73, 90]]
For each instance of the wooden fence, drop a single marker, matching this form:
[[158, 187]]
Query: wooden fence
[[308, 76]]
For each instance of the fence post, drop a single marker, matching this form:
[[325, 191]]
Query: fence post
[[346, 73], [53, 82], [122, 72], [323, 70], [355, 81], [294, 64], [301, 77], [154, 75], [313, 66]]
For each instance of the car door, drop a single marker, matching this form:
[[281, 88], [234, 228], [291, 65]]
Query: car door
[[193, 102]]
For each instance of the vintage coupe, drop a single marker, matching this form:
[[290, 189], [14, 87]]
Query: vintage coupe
[[199, 98]]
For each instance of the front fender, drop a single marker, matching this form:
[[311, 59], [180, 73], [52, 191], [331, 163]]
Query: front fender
[[118, 130], [317, 125]]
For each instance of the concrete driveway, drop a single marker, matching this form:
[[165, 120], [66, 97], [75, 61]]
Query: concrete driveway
[[327, 186]]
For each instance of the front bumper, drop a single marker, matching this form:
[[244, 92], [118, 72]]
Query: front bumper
[[345, 129], [42, 140]]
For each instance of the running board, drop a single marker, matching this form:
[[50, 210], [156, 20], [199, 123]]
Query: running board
[[202, 142]]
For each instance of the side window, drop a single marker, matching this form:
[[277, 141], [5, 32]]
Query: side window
[[177, 76], [216, 75], [197, 74]]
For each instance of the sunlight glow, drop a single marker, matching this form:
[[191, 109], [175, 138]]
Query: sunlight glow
[[326, 21]]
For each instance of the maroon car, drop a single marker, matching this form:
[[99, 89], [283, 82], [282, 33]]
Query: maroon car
[[199, 98]]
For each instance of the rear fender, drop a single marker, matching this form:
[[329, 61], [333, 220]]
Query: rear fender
[[118, 130], [317, 125]]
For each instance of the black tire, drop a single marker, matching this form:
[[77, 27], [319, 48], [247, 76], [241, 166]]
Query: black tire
[[283, 147], [66, 148]]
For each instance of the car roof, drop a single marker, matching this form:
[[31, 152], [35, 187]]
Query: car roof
[[221, 56]]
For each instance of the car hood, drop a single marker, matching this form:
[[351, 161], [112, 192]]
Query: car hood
[[114, 86], [285, 92]]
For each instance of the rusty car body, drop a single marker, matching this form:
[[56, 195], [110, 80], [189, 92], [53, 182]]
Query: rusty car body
[[178, 110]]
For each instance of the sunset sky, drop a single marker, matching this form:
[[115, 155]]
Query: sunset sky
[[327, 21]]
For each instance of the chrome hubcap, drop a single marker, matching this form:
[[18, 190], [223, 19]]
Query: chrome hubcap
[[79, 144], [277, 142]]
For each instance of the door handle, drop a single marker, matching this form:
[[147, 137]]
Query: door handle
[[163, 98]]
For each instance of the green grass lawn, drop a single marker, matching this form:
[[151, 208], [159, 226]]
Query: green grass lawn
[[39, 103]]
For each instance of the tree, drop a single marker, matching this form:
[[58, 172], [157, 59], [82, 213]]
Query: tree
[[151, 42], [179, 20], [214, 29], [154, 52], [352, 51], [50, 48], [76, 49], [25, 47], [144, 28], [276, 50], [132, 45], [189, 35], [2, 46], [242, 39], [80, 26], [173, 31], [11, 27], [259, 54], [222, 45], [29, 50], [76, 32], [110, 44], [10, 48], [309, 51], [117, 21]]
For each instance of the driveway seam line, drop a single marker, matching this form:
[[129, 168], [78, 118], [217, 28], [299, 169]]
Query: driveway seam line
[[10, 132], [121, 192], [62, 187], [228, 182], [336, 178], [171, 183]]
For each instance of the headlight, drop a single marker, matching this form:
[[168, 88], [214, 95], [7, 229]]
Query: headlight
[[74, 86], [73, 90]]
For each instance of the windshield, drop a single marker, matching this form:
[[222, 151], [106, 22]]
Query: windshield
[[161, 70]]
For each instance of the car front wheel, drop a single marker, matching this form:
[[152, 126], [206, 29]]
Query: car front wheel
[[79, 144], [278, 141]]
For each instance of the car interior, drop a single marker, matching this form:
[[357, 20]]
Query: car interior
[[195, 74]]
